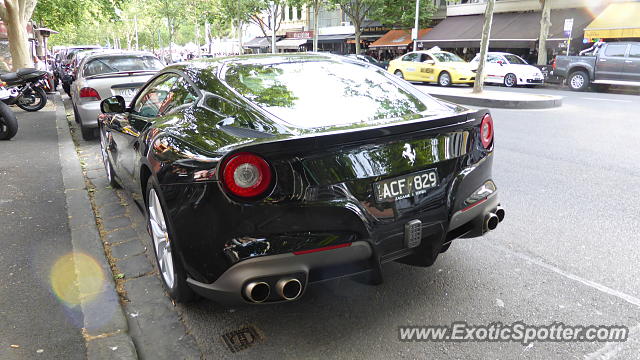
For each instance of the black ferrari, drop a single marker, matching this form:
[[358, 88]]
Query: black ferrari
[[260, 175]]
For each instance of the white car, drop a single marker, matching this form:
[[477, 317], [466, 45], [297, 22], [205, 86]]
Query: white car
[[510, 70], [103, 75]]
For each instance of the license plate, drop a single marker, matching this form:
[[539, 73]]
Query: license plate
[[406, 186], [127, 93]]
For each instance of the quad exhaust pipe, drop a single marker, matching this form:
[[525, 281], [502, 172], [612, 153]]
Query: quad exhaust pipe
[[289, 289], [286, 289], [492, 219], [257, 291]]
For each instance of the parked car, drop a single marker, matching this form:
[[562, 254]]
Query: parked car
[[510, 70], [102, 75], [256, 184], [370, 60], [441, 67], [606, 64], [64, 58]]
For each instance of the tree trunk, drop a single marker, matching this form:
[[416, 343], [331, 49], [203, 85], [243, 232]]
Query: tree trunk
[[18, 39], [484, 47], [358, 33], [316, 14], [545, 24]]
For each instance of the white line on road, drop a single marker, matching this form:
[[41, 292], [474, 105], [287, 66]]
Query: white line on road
[[602, 99], [605, 289]]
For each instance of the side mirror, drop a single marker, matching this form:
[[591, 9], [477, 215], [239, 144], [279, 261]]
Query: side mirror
[[430, 62], [500, 62], [114, 104]]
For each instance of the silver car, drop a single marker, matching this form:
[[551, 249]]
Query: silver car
[[103, 75]]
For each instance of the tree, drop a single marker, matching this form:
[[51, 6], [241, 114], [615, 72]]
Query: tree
[[16, 14], [484, 46], [357, 11], [401, 14], [545, 24]]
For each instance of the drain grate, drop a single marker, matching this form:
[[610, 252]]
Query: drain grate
[[241, 339]]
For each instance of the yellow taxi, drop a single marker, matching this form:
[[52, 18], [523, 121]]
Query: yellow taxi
[[441, 67]]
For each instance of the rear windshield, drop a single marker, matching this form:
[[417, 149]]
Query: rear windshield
[[325, 92], [114, 64]]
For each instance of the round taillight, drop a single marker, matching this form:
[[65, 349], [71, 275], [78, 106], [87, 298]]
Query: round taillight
[[246, 175], [486, 131]]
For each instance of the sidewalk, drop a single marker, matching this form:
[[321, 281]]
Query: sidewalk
[[492, 98]]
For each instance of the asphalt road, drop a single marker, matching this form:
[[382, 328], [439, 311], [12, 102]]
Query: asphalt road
[[34, 323], [567, 252]]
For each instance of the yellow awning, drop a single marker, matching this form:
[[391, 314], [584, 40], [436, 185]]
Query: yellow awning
[[618, 20]]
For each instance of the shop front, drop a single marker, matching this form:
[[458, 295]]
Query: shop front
[[393, 44], [619, 21]]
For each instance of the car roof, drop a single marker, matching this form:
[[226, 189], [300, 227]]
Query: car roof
[[116, 52]]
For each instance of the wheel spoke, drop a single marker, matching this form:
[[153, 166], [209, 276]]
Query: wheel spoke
[[162, 243]]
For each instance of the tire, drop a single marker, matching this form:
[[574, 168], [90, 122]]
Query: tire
[[106, 161], [444, 79], [510, 80], [399, 74], [88, 133], [172, 273], [8, 122], [578, 81], [39, 101]]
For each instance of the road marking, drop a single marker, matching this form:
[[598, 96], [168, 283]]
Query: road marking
[[602, 288], [602, 99]]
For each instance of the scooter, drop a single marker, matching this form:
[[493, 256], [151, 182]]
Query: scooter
[[25, 88]]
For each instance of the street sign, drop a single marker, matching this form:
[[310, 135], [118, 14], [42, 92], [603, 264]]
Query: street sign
[[568, 30], [414, 34], [568, 25]]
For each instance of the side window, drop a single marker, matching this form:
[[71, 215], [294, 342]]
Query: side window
[[410, 57], [425, 57], [616, 50], [181, 94], [635, 51], [150, 100], [493, 59]]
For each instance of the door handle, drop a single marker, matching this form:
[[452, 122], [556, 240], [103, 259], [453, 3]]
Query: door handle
[[603, 60], [628, 61]]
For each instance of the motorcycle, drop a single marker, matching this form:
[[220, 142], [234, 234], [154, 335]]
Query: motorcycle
[[25, 88], [8, 122]]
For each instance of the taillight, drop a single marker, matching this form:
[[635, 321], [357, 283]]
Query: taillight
[[88, 92], [553, 64], [246, 175], [486, 131]]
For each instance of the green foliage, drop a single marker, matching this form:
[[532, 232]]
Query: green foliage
[[401, 14]]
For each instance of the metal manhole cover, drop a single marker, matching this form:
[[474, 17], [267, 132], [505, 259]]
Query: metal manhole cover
[[241, 339]]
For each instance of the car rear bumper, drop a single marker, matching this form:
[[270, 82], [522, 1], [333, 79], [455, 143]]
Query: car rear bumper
[[342, 260], [89, 112]]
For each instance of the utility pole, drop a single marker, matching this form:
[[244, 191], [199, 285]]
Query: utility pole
[[484, 46], [135, 26], [416, 28], [273, 28]]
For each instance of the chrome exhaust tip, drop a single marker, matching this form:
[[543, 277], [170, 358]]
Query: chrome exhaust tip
[[500, 213], [491, 222], [289, 289], [257, 291]]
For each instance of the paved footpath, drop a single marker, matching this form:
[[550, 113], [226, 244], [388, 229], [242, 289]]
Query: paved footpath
[[35, 322]]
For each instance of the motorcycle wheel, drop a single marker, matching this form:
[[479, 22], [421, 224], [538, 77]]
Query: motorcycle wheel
[[8, 122], [40, 100]]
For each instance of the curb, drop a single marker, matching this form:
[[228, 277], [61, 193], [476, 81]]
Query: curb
[[553, 102], [105, 327]]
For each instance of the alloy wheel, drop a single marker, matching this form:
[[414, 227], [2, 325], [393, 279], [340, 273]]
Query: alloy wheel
[[577, 81], [105, 156], [161, 241], [510, 80], [444, 79]]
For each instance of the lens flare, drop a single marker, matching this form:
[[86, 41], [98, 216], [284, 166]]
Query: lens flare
[[76, 278]]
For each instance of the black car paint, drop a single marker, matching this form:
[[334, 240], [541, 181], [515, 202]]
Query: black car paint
[[321, 193]]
